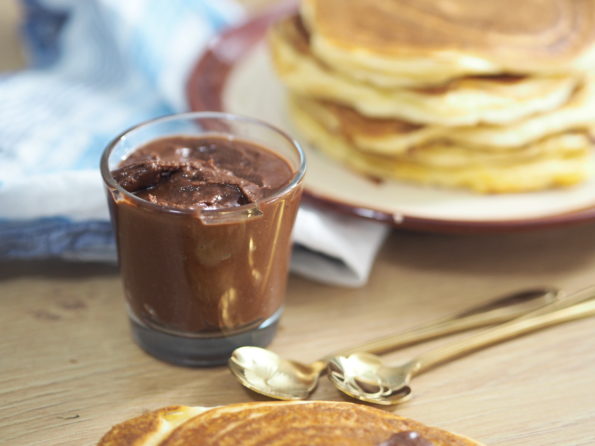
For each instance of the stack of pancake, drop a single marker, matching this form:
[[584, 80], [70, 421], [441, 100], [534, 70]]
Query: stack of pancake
[[278, 423], [493, 96]]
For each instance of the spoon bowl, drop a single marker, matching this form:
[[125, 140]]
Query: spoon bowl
[[266, 373], [365, 377]]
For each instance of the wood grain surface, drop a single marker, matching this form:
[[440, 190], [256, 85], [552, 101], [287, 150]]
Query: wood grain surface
[[69, 369]]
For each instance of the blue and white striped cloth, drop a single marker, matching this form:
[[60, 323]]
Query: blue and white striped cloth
[[96, 68]]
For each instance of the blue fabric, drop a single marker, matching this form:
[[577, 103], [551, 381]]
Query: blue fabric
[[41, 30], [97, 67], [58, 237]]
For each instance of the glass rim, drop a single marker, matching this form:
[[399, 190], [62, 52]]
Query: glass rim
[[110, 181]]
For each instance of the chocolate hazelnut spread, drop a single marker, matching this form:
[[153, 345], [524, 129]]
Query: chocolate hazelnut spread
[[188, 173], [184, 274], [406, 438]]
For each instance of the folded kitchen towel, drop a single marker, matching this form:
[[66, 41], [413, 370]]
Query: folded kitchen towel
[[97, 68]]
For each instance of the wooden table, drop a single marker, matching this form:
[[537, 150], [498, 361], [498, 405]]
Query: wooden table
[[69, 370]]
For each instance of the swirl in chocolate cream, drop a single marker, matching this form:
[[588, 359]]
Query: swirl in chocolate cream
[[190, 173]]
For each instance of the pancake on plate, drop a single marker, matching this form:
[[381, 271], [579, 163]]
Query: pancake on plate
[[296, 423], [463, 101], [454, 93], [558, 160], [427, 42]]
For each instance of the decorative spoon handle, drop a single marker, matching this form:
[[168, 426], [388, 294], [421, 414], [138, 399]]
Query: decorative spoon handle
[[494, 312], [579, 306]]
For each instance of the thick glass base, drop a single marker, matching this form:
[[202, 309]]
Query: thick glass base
[[200, 351]]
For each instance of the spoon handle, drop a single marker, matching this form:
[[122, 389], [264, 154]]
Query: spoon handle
[[494, 312], [502, 333]]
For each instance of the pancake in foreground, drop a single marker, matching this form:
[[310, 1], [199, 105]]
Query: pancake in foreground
[[301, 423]]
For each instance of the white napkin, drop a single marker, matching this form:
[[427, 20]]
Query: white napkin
[[334, 248], [99, 67]]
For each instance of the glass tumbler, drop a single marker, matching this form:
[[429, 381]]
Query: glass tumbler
[[201, 282]]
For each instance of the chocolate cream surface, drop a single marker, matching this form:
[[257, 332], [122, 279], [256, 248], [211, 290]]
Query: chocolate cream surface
[[189, 173], [182, 275]]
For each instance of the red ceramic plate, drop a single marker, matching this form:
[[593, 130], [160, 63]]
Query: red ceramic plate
[[235, 75]]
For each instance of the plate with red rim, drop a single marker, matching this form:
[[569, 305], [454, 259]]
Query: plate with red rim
[[235, 75]]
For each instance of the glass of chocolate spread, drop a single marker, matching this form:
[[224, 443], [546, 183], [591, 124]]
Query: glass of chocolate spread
[[203, 206]]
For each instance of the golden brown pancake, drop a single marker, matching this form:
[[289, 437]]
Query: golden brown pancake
[[420, 42], [149, 428], [291, 423], [559, 160], [463, 101]]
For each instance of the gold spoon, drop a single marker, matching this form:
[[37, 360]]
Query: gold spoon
[[266, 373], [363, 376]]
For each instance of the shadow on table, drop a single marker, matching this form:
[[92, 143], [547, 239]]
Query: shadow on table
[[552, 250]]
